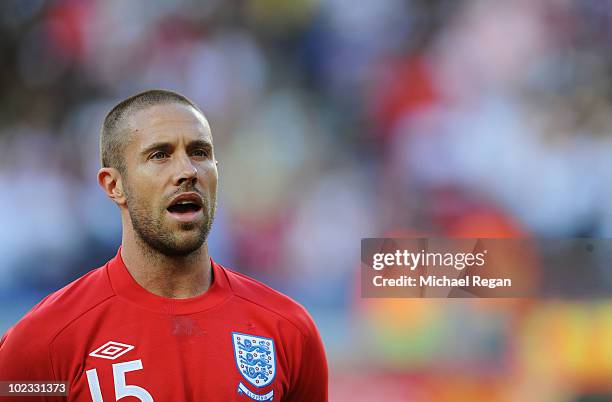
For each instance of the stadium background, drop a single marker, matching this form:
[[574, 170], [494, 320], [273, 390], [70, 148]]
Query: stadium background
[[336, 120]]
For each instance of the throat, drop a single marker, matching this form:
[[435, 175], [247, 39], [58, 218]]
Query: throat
[[170, 277]]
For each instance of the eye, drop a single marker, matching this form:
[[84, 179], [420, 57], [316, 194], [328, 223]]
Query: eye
[[158, 155], [200, 153]]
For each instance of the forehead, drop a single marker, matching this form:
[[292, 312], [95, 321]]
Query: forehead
[[167, 122]]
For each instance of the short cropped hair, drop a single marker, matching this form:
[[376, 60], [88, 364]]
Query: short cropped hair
[[113, 137]]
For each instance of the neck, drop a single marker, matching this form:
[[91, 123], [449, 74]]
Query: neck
[[175, 277]]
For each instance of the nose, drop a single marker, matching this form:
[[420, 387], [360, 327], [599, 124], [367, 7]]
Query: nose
[[186, 171]]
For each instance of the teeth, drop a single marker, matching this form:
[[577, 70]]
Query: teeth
[[185, 203]]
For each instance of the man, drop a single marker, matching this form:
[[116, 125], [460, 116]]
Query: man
[[161, 321]]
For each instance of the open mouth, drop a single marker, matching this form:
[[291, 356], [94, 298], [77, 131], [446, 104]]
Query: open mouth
[[184, 208]]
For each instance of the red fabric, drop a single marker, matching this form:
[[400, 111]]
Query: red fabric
[[185, 346], [64, 27], [405, 86]]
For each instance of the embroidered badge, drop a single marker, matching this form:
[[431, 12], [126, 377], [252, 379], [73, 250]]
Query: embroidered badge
[[256, 360]]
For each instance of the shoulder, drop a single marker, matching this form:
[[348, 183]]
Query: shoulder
[[60, 308], [309, 370], [25, 349], [275, 302]]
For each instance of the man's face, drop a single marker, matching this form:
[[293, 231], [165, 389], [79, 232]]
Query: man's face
[[170, 178]]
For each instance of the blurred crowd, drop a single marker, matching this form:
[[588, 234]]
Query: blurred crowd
[[333, 120]]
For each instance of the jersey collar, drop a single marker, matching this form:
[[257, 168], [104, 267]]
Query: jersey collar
[[126, 287]]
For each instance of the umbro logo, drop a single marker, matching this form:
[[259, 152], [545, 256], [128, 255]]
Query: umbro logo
[[111, 350]]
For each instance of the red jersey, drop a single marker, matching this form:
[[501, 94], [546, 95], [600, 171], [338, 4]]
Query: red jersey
[[110, 339]]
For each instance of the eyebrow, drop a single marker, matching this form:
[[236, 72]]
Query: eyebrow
[[156, 146], [199, 144], [167, 146]]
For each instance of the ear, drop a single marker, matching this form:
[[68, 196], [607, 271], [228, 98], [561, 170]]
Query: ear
[[110, 181]]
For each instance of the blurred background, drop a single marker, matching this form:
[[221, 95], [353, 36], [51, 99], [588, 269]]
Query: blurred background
[[335, 120]]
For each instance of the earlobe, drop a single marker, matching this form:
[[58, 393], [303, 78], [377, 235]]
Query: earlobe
[[118, 195]]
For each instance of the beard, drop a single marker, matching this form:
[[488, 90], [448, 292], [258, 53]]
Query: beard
[[156, 232]]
